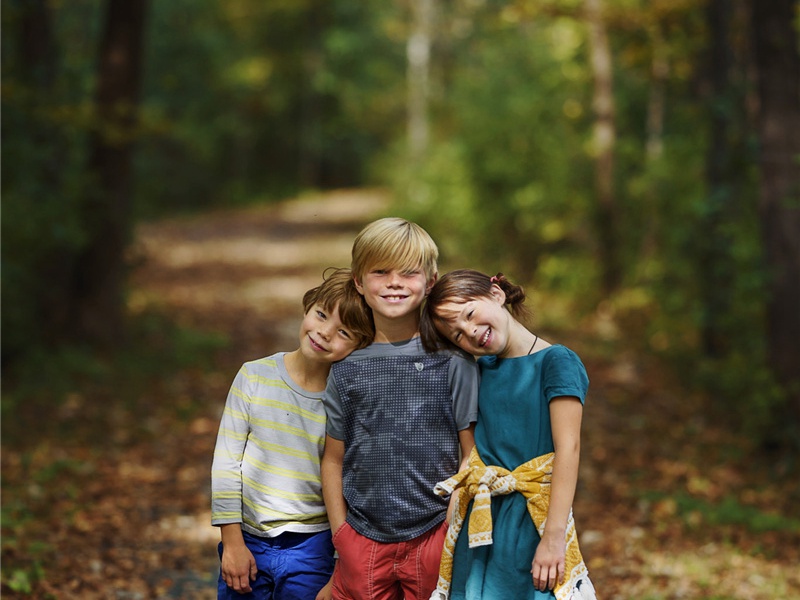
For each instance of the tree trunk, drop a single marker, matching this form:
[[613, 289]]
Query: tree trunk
[[778, 68], [654, 147], [40, 67], [100, 273], [310, 126], [603, 145], [716, 269], [418, 51], [659, 72]]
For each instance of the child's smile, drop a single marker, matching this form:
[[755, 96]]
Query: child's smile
[[327, 338], [392, 293], [394, 298]]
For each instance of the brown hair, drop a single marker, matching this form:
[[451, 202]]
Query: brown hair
[[338, 290], [461, 286], [394, 243]]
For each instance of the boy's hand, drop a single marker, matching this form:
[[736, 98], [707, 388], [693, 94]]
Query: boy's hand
[[238, 567], [326, 593]]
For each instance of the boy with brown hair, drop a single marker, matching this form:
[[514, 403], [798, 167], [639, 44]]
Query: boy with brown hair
[[266, 483], [399, 421]]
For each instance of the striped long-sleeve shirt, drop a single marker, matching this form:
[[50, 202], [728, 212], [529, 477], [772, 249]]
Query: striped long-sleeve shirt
[[266, 469]]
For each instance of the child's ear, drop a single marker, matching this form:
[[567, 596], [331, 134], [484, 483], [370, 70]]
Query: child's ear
[[498, 294], [359, 287], [431, 283]]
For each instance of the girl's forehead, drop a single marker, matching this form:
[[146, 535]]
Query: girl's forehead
[[450, 310]]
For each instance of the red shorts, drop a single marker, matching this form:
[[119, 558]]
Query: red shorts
[[370, 570]]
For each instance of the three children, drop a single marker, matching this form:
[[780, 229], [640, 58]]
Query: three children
[[399, 435]]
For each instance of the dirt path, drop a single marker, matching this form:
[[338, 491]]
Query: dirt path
[[244, 272], [133, 521]]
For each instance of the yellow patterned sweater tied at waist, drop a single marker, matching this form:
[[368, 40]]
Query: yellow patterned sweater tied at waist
[[532, 480]]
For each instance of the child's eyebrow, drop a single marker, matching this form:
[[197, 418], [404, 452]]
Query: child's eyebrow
[[449, 316]]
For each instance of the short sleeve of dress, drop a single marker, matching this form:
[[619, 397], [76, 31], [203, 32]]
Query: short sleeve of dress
[[564, 374]]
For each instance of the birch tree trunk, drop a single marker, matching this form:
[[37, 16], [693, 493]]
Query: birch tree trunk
[[418, 52], [654, 147], [603, 145], [659, 71]]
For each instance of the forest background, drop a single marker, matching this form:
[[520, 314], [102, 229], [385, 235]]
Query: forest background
[[634, 164]]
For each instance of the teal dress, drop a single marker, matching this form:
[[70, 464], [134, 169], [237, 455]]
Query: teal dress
[[513, 427]]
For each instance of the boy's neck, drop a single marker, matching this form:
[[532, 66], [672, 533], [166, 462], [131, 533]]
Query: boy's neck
[[396, 330], [311, 376]]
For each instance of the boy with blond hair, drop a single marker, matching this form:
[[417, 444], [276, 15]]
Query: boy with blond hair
[[266, 483], [399, 419]]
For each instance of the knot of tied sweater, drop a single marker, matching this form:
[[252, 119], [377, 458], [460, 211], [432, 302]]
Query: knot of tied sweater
[[479, 482]]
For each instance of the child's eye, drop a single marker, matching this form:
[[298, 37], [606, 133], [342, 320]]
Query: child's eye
[[321, 314], [345, 333], [457, 337], [469, 314], [379, 271]]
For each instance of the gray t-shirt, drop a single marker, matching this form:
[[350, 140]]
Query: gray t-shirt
[[398, 410]]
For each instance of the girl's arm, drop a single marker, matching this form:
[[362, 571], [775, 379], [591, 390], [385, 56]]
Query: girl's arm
[[332, 489], [548, 562]]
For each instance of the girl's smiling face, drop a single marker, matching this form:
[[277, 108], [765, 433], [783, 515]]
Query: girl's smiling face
[[479, 326]]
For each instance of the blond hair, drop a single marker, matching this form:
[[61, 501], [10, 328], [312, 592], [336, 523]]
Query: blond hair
[[394, 243], [338, 291]]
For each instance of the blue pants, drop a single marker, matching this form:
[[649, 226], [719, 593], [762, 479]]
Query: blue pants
[[292, 566]]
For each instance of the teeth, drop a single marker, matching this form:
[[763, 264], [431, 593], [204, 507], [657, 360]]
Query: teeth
[[485, 336]]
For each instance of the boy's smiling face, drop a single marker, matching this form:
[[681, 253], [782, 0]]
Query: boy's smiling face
[[323, 337], [394, 294]]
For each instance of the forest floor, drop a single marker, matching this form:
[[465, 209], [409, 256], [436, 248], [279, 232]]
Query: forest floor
[[107, 497]]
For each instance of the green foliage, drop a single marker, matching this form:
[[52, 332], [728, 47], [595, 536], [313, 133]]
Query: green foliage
[[24, 555], [22, 580], [508, 185], [262, 100], [247, 100], [45, 127], [440, 196], [730, 511], [59, 380], [499, 188]]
